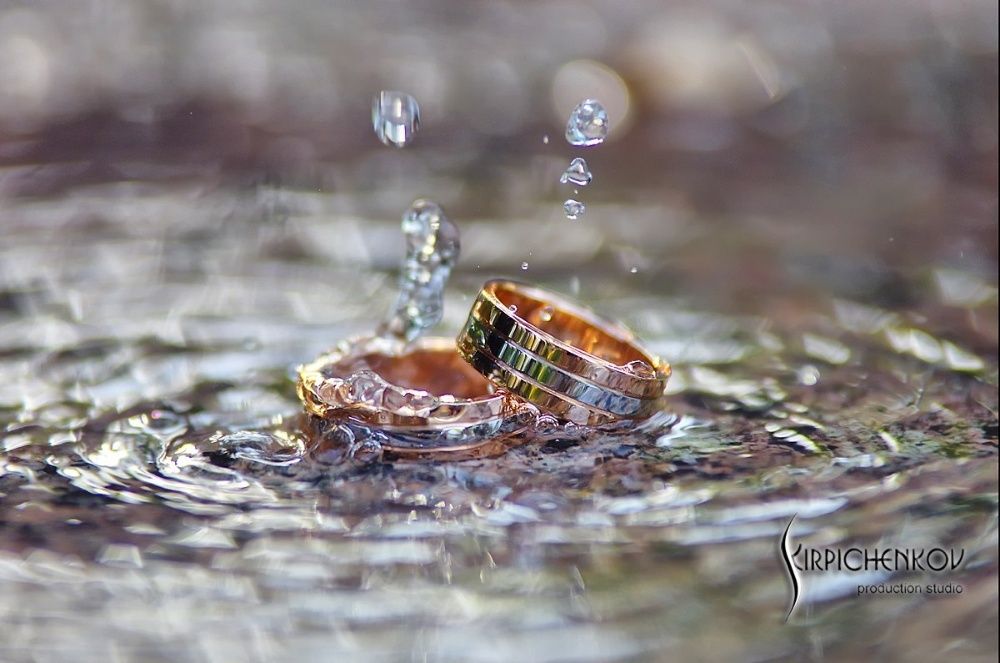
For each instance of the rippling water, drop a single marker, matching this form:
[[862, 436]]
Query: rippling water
[[160, 500]]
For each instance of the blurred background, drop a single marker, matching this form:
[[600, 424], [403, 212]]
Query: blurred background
[[796, 205]]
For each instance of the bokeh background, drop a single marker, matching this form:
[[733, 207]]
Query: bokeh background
[[796, 206]]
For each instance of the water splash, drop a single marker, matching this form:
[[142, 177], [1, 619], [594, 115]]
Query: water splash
[[432, 248], [588, 124], [577, 174], [395, 117]]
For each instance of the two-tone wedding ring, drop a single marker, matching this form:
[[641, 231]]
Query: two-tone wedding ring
[[560, 356]]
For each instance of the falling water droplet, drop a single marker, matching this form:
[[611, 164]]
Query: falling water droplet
[[577, 174], [395, 117], [432, 248], [634, 270], [545, 313], [524, 265], [588, 124], [512, 308], [574, 209], [545, 139]]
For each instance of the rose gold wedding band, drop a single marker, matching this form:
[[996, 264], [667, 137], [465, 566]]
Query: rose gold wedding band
[[560, 356]]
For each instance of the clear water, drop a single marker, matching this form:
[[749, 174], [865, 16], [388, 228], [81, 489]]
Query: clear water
[[587, 124], [577, 173], [433, 245], [162, 499], [395, 117], [574, 209]]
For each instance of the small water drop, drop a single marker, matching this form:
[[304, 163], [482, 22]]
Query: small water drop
[[512, 308], [524, 265], [545, 313], [634, 270], [578, 173], [641, 369], [395, 117], [525, 415], [574, 209], [546, 424], [588, 124], [545, 139], [366, 451]]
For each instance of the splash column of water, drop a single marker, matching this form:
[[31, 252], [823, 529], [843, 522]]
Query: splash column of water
[[432, 240], [432, 248]]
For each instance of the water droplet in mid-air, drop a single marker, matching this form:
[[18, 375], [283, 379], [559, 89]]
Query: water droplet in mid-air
[[574, 209], [395, 117], [545, 139], [588, 124], [524, 265], [432, 247], [577, 174], [545, 313], [634, 270]]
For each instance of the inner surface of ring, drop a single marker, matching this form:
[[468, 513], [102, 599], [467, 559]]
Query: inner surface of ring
[[576, 328], [438, 371]]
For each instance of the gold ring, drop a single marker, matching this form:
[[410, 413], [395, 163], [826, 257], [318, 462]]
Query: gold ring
[[421, 395], [560, 356]]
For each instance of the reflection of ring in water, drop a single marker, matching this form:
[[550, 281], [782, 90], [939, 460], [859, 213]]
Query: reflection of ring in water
[[420, 396], [560, 356]]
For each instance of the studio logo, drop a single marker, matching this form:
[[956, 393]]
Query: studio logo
[[793, 573], [889, 560]]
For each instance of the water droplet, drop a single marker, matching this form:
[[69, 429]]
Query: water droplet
[[588, 124], [432, 248], [366, 450], [512, 308], [574, 209], [524, 265], [634, 270], [578, 173], [546, 424], [395, 117], [641, 369], [545, 139], [545, 313], [366, 386], [525, 415]]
